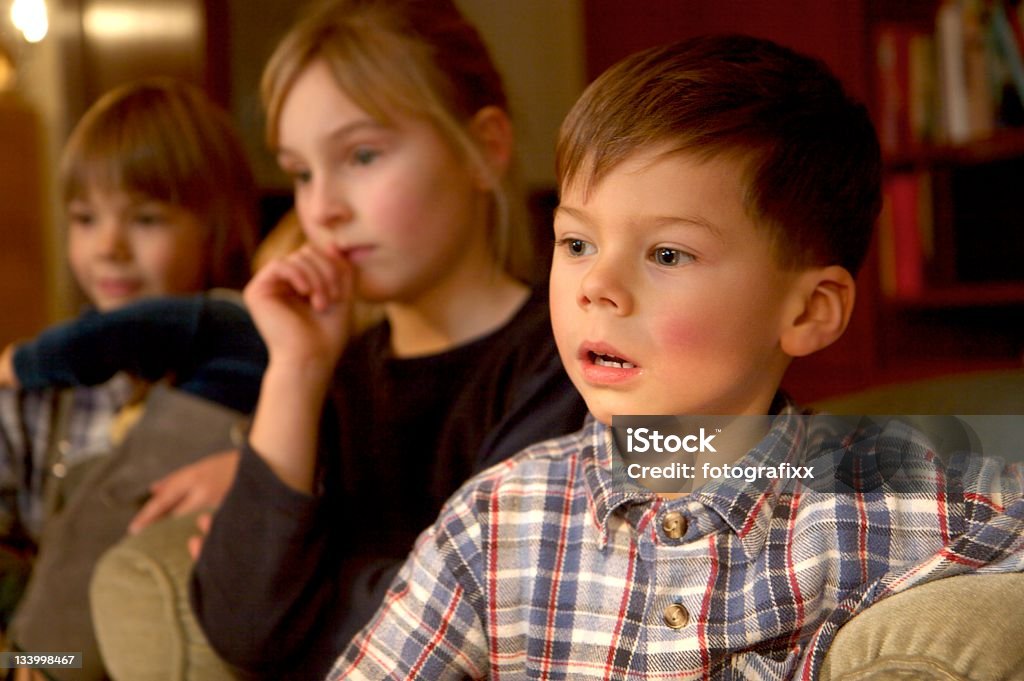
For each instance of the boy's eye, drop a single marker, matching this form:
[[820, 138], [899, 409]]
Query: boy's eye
[[364, 156], [577, 247], [670, 257]]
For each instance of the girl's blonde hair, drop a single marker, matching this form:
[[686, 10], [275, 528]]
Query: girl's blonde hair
[[420, 57], [164, 140]]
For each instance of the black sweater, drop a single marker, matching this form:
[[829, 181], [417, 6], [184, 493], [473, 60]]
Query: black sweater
[[286, 579]]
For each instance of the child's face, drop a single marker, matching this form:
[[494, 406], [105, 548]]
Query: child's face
[[123, 247], [396, 200], [665, 296]]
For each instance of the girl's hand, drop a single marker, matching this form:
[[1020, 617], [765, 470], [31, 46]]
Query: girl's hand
[[302, 304], [195, 542], [202, 484]]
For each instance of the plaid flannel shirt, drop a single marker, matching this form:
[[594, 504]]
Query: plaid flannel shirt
[[26, 432], [541, 567]]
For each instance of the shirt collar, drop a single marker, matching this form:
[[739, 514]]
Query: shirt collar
[[745, 507]]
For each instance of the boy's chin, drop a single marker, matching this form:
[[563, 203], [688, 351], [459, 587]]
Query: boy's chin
[[604, 412]]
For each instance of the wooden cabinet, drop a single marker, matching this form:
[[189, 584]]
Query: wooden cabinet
[[23, 266]]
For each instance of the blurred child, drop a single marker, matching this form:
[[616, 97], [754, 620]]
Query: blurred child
[[717, 196], [160, 202], [391, 119]]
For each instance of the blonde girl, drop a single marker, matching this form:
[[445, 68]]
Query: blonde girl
[[391, 119]]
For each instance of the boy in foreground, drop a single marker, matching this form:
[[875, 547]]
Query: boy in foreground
[[717, 197]]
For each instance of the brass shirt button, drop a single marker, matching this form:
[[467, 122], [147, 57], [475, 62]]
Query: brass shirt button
[[674, 525], [676, 616]]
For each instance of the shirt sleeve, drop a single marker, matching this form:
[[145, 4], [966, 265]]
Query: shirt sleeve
[[545, 405], [431, 624], [13, 452], [209, 344], [148, 339], [262, 565]]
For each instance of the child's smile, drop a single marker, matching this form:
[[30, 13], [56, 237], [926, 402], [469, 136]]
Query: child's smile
[[666, 297]]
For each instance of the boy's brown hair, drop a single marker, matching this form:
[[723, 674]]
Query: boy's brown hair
[[812, 159], [164, 140]]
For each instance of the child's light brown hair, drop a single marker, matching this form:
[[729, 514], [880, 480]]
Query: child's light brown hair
[[811, 155], [418, 57], [164, 140]]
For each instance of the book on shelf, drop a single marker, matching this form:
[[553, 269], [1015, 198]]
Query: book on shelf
[[905, 239], [952, 72], [1008, 50], [952, 84], [905, 86]]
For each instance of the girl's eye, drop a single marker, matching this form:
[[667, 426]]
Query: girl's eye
[[364, 156], [577, 247], [670, 257]]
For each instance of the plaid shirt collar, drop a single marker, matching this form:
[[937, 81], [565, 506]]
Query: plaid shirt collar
[[743, 507]]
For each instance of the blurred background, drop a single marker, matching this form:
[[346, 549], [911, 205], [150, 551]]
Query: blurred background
[[944, 287]]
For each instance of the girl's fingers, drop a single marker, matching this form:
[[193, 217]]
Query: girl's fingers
[[195, 547], [159, 505], [317, 268], [323, 277]]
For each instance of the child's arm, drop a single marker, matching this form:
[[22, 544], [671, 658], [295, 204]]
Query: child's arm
[[149, 339], [302, 306], [430, 624]]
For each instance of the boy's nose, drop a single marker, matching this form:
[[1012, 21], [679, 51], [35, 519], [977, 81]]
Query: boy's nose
[[604, 286]]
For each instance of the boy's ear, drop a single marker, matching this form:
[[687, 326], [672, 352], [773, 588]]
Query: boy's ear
[[818, 311], [492, 130]]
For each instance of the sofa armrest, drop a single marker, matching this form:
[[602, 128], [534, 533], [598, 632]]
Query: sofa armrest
[[141, 613], [967, 627]]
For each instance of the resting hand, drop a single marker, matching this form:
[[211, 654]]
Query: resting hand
[[203, 484], [8, 379], [301, 304], [195, 543]]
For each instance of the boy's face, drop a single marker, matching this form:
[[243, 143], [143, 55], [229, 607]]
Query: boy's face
[[665, 295], [123, 247]]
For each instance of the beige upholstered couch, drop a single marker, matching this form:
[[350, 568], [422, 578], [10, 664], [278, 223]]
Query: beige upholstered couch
[[966, 627]]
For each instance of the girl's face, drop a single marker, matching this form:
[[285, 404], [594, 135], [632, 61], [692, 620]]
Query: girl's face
[[123, 247], [402, 206]]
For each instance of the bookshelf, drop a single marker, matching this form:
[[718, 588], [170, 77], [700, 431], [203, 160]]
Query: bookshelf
[[947, 91], [965, 311]]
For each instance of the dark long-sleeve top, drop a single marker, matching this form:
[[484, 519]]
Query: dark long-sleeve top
[[207, 343], [286, 579]]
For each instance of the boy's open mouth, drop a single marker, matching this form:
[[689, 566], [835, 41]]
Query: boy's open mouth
[[603, 360]]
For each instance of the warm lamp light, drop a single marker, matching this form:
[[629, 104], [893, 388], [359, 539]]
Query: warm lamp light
[[29, 17]]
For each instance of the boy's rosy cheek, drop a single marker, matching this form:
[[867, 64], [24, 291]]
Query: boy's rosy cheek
[[683, 333]]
